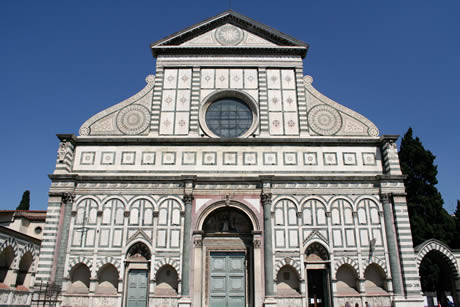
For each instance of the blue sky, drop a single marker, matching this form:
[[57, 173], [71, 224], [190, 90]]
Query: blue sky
[[395, 62]]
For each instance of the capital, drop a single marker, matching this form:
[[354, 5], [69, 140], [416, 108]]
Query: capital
[[188, 198]]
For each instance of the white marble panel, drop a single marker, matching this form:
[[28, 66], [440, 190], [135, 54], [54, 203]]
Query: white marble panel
[[134, 216], [183, 100], [182, 125], [292, 216], [148, 216], [307, 217], [274, 100], [161, 238], [167, 123], [337, 237], [276, 123], [291, 123], [350, 237], [175, 238], [321, 216], [117, 237], [92, 216], [185, 78], [236, 78], [169, 100], [364, 237], [362, 216], [254, 94], [222, 78], [76, 238], [348, 214], [279, 216], [175, 219], [273, 78], [207, 78], [90, 235], [250, 79], [377, 235], [170, 78], [375, 219], [293, 238], [279, 238], [105, 237], [289, 100], [163, 216], [288, 78]]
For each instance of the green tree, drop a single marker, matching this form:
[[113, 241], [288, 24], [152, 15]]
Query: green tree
[[456, 243], [25, 201], [428, 218]]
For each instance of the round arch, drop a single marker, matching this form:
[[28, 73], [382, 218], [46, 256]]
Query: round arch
[[233, 204], [434, 245]]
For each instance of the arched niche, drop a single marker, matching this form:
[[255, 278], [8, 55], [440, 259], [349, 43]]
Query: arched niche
[[287, 282], [375, 280], [316, 252], [79, 278], [347, 280], [6, 259], [25, 265], [107, 278], [166, 281]]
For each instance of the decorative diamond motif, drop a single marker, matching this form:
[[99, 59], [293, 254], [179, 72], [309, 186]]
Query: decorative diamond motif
[[276, 123]]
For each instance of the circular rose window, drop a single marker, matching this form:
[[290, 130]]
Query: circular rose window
[[229, 117]]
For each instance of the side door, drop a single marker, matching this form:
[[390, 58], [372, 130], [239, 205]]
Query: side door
[[137, 288]]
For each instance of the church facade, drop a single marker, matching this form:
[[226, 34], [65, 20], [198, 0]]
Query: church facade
[[229, 180]]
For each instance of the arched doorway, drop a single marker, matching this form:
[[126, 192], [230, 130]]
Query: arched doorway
[[137, 275], [318, 276], [438, 273], [227, 252]]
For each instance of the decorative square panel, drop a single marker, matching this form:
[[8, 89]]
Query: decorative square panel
[[270, 158], [128, 158], [349, 158], [250, 79], [167, 123], [291, 123], [168, 101], [276, 123], [209, 158], [168, 158], [87, 158], [148, 158], [207, 78], [236, 78], [189, 158], [288, 79], [274, 100], [184, 78], [170, 78], [222, 76], [290, 101], [310, 158], [369, 158], [182, 123], [230, 158], [250, 158], [290, 158], [330, 158], [183, 100], [107, 158], [273, 78]]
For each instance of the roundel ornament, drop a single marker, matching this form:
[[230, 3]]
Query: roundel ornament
[[133, 119], [229, 35], [324, 120]]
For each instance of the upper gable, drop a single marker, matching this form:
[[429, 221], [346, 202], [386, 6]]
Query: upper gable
[[229, 33]]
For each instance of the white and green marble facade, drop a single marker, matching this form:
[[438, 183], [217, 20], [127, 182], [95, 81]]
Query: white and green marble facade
[[308, 170]]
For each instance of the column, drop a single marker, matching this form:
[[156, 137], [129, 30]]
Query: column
[[266, 199], [188, 199], [393, 250]]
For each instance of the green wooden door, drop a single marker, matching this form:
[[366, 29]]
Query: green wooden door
[[137, 288], [227, 281]]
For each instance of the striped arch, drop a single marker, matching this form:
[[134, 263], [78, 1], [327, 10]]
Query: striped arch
[[377, 261], [167, 261], [74, 261], [28, 248], [435, 245], [102, 261], [284, 197], [349, 261], [290, 262], [10, 242]]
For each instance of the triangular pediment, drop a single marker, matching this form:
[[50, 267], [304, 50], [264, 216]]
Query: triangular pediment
[[229, 30]]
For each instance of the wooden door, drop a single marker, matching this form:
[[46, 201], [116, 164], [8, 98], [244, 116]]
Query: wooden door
[[137, 288], [227, 281]]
